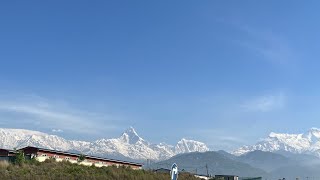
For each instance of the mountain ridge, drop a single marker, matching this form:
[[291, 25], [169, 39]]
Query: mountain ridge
[[129, 144], [212, 162], [304, 143]]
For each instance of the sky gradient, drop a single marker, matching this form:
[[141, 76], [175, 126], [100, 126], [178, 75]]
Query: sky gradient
[[225, 73]]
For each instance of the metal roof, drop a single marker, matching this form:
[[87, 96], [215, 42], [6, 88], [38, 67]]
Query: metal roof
[[87, 156], [9, 150]]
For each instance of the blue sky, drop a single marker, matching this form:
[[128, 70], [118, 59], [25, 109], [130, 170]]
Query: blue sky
[[225, 73]]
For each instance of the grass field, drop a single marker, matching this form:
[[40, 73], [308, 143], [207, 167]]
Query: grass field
[[51, 169]]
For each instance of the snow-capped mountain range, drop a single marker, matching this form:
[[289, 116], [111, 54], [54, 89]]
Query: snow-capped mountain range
[[129, 144], [306, 143]]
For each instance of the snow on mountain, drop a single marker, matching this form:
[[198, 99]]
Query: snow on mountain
[[15, 138], [130, 136], [129, 144], [307, 143], [185, 145]]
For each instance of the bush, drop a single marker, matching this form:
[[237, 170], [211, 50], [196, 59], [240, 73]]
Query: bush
[[4, 164], [19, 159], [68, 171], [81, 158]]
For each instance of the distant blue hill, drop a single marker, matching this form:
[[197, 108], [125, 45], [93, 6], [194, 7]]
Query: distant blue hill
[[257, 163], [267, 161], [215, 162]]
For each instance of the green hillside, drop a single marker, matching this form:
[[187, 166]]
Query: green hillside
[[51, 170]]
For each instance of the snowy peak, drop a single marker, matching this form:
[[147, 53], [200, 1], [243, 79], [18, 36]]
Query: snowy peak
[[17, 138], [131, 132], [130, 136], [129, 144], [313, 135], [184, 146], [308, 143]]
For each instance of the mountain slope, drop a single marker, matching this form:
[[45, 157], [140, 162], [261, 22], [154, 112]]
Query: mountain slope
[[295, 171], [228, 155], [128, 145], [217, 163], [267, 161], [307, 143]]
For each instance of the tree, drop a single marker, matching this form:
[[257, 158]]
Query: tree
[[81, 158], [20, 159]]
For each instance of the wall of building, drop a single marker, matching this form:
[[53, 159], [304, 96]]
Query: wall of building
[[202, 177], [43, 155], [226, 177]]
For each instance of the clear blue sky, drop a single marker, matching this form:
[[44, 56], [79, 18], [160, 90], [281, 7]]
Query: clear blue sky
[[223, 72]]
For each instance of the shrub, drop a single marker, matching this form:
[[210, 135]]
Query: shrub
[[81, 158], [19, 159], [4, 164], [67, 171]]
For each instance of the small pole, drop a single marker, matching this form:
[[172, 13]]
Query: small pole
[[207, 170]]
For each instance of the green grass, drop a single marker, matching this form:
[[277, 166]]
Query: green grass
[[50, 169]]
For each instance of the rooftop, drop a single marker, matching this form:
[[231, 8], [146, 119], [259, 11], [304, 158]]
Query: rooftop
[[87, 156]]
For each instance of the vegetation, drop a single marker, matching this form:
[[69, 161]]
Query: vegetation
[[19, 158], [50, 169], [81, 158]]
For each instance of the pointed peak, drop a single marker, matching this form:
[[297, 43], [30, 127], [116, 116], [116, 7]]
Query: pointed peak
[[131, 132], [131, 136]]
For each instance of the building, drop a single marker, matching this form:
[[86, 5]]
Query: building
[[41, 154], [7, 155], [162, 170], [227, 177], [250, 178], [201, 176]]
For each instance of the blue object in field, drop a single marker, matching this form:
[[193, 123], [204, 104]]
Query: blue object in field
[[174, 172]]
